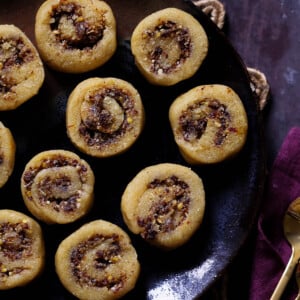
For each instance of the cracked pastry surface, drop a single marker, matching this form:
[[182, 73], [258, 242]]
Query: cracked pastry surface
[[164, 204], [58, 186], [209, 124], [21, 69], [75, 36], [105, 116], [97, 261], [169, 46], [22, 250], [7, 154]]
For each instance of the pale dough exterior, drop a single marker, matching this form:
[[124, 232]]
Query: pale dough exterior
[[166, 56], [92, 103], [153, 195], [7, 154], [231, 124], [80, 37], [63, 181], [103, 241], [20, 268], [21, 69]]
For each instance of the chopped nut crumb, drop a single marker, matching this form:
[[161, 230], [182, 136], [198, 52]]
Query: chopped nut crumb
[[169, 211], [72, 30], [193, 121], [109, 250]]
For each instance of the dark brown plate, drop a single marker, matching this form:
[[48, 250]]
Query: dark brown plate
[[232, 188]]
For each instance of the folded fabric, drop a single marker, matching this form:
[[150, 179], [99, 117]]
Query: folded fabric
[[272, 251]]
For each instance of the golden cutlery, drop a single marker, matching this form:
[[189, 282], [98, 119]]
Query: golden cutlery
[[291, 227], [298, 279]]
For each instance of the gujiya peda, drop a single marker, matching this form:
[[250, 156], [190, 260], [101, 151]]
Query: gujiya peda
[[7, 154], [169, 46], [22, 249], [75, 36], [105, 116], [21, 69], [97, 261], [164, 204], [58, 186], [209, 124]]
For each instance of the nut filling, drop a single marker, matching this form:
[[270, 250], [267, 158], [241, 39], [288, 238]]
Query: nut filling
[[193, 121], [56, 183], [15, 240], [106, 116], [170, 208], [97, 253], [15, 243], [170, 45], [72, 30], [13, 52]]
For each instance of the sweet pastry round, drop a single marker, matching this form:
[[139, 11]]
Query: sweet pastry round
[[105, 116], [22, 254], [169, 46], [97, 261], [165, 204], [209, 124], [7, 154], [58, 186], [75, 36], [21, 69]]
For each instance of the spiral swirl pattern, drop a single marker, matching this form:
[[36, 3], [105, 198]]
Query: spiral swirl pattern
[[169, 46], [75, 36], [209, 124], [22, 249], [57, 186], [21, 69], [97, 261], [165, 204], [105, 116]]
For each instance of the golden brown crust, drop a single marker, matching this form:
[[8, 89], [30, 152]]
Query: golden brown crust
[[22, 254], [169, 46], [57, 186], [165, 204], [105, 116], [21, 69], [209, 124], [75, 36], [97, 261], [7, 154]]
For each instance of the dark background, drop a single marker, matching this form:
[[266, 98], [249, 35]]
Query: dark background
[[266, 35]]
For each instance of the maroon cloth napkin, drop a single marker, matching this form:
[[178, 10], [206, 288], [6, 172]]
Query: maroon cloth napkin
[[272, 251]]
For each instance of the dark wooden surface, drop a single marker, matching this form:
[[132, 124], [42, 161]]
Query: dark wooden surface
[[266, 34]]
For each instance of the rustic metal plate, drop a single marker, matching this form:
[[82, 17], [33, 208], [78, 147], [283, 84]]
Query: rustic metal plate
[[232, 188]]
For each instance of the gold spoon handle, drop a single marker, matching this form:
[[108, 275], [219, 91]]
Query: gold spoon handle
[[286, 275]]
